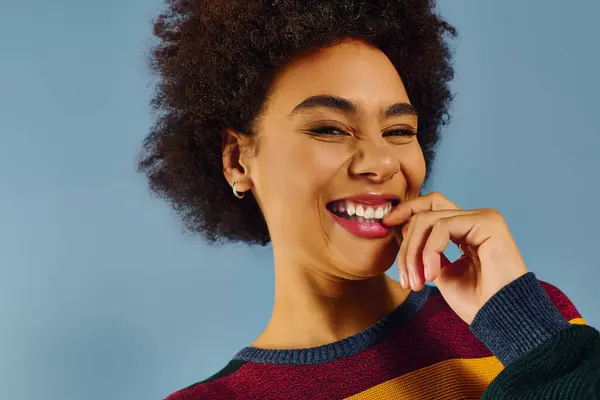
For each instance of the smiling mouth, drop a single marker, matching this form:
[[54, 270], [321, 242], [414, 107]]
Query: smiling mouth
[[361, 212]]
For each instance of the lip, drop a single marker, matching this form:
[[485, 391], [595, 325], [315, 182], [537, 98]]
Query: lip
[[368, 230]]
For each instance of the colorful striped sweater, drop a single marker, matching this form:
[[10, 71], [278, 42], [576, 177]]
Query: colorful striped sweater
[[528, 341]]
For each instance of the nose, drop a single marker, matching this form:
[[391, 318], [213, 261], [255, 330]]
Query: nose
[[375, 161]]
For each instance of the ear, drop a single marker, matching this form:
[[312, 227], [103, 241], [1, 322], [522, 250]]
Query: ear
[[235, 146]]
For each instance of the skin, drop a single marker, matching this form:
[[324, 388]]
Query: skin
[[330, 284], [490, 261]]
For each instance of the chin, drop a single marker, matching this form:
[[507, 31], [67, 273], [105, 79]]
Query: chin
[[369, 261]]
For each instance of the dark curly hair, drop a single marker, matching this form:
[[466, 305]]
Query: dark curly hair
[[216, 60]]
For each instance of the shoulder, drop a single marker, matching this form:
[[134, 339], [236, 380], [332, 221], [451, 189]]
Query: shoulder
[[213, 388], [564, 305]]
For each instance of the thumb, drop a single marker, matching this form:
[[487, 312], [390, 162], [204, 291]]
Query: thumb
[[444, 260], [453, 271]]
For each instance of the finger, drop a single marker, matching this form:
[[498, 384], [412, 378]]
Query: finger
[[402, 268], [462, 228], [429, 202], [413, 245], [445, 265], [452, 276], [433, 251], [444, 260], [421, 226]]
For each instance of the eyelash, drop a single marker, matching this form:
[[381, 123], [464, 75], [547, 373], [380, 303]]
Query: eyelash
[[329, 130]]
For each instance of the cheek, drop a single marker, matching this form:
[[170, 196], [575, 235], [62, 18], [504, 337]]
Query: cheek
[[413, 169], [293, 178], [303, 167]]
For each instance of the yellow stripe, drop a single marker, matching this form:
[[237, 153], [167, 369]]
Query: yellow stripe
[[450, 379]]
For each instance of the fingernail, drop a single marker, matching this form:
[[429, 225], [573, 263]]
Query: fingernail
[[427, 275], [403, 279], [412, 282]]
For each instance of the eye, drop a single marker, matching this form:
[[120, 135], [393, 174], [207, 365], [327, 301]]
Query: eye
[[400, 132], [328, 130]]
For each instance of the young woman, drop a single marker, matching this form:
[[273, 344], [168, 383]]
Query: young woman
[[312, 125]]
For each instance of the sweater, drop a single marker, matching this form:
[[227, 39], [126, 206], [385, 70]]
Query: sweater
[[527, 341]]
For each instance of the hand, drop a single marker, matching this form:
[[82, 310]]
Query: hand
[[490, 258]]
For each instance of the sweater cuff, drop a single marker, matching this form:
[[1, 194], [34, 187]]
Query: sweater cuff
[[517, 319]]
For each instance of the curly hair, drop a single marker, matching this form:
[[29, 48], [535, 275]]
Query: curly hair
[[215, 62]]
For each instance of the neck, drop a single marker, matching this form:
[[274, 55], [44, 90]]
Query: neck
[[312, 309]]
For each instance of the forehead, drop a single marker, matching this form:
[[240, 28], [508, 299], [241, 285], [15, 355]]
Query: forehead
[[352, 70]]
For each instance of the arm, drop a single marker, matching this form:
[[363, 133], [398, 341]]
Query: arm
[[543, 354]]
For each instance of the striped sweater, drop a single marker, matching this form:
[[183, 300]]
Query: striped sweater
[[528, 340]]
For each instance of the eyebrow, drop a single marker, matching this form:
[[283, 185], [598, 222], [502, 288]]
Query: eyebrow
[[400, 110], [340, 104]]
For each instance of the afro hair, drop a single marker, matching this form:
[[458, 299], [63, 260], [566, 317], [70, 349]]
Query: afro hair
[[216, 60]]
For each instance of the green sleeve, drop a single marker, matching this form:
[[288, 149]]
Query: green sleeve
[[566, 366]]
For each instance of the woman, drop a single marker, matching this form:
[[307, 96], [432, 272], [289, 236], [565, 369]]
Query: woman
[[312, 125]]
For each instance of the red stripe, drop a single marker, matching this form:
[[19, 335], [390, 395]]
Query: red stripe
[[561, 301]]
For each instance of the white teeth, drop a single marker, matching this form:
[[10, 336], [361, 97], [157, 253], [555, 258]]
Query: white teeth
[[360, 211], [351, 210]]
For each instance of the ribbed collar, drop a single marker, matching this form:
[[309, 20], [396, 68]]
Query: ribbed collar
[[345, 347]]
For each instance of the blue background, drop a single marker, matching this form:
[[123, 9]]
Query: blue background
[[102, 294]]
